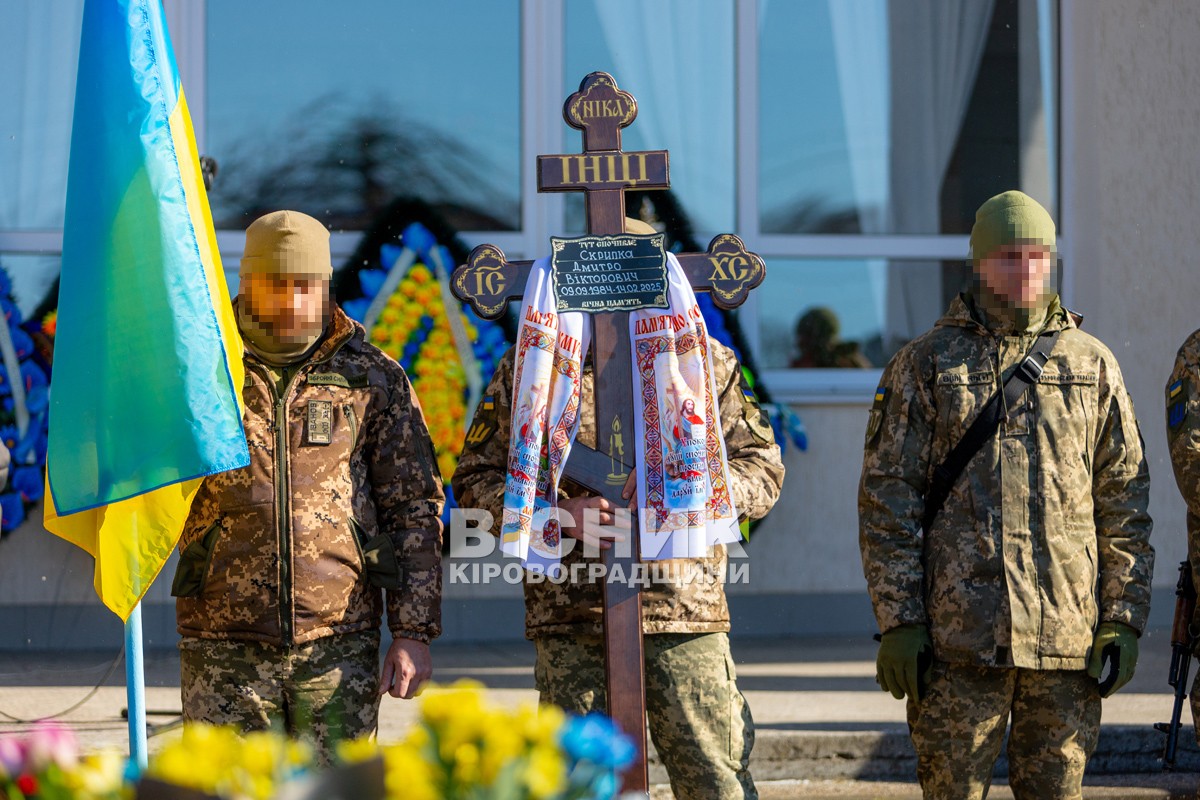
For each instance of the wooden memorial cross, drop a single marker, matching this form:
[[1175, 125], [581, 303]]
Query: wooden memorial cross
[[488, 282]]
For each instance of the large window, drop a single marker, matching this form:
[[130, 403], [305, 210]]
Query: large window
[[39, 55], [874, 119], [882, 125], [847, 141], [337, 109], [676, 57]]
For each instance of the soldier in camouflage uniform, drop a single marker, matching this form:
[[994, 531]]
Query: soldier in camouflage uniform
[[699, 721], [1040, 558], [1183, 436], [286, 565]]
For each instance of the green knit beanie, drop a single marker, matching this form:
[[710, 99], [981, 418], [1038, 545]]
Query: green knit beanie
[[1009, 218]]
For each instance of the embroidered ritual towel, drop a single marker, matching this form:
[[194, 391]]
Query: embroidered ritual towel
[[682, 467], [682, 470], [545, 416]]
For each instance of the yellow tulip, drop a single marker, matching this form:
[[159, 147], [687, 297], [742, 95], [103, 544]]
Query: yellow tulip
[[541, 726], [260, 753], [466, 763], [99, 773], [408, 774], [546, 773], [355, 751]]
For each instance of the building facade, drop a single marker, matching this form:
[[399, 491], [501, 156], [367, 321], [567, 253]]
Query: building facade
[[847, 141]]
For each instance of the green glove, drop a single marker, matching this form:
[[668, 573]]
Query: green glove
[[903, 651], [1120, 640]]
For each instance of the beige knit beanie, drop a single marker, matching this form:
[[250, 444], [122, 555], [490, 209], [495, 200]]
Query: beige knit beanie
[[287, 243]]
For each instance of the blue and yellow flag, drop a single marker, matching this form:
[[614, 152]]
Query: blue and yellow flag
[[147, 361]]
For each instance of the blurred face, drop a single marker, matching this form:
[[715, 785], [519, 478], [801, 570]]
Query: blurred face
[[1018, 274], [290, 308]]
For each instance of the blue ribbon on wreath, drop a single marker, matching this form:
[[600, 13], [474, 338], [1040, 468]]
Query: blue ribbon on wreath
[[24, 397]]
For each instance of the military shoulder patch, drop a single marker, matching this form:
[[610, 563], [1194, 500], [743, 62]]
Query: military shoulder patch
[[874, 425], [759, 423], [875, 419], [745, 386], [482, 430], [1177, 397], [756, 419]]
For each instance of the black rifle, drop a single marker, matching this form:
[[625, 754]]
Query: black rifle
[[1182, 643]]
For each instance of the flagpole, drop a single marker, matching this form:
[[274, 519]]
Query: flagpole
[[135, 689]]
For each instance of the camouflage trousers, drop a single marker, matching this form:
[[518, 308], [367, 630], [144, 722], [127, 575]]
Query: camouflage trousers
[[321, 691], [699, 721], [958, 728]]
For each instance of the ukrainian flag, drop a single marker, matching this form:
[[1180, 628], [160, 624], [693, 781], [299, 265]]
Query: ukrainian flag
[[147, 363]]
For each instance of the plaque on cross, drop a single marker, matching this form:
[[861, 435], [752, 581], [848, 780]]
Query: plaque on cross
[[624, 281]]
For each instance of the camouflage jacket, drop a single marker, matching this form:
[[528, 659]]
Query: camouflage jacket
[[342, 498], [689, 594], [1044, 535], [1183, 437]]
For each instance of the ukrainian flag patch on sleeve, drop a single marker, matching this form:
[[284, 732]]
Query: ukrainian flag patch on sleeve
[[1176, 404], [875, 418]]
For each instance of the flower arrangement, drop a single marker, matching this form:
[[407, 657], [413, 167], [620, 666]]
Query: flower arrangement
[[219, 762], [463, 748], [414, 327], [468, 749], [23, 431], [45, 764]]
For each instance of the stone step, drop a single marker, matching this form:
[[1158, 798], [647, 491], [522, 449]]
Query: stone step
[[888, 754]]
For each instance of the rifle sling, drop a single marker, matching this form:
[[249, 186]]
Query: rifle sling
[[986, 424]]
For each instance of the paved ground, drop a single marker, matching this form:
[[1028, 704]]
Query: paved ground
[[805, 694]]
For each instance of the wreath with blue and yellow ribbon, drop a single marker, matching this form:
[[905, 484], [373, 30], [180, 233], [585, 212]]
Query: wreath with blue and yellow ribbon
[[24, 409], [448, 352]]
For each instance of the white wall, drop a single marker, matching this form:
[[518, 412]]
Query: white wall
[[809, 543], [1132, 192]]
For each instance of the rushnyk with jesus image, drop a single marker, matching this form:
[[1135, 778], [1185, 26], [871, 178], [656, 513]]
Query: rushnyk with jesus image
[[683, 485]]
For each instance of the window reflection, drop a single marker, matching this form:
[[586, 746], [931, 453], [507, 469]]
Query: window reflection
[[336, 113], [875, 119], [818, 343], [848, 313]]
